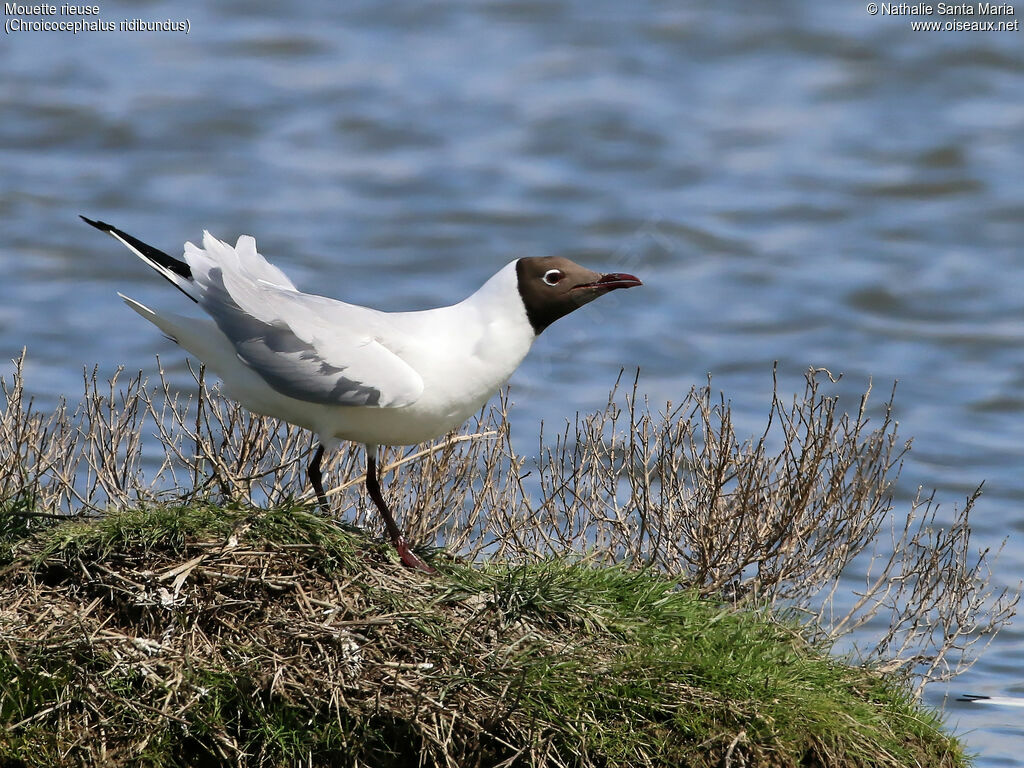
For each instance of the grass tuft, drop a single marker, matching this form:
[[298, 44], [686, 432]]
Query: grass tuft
[[194, 635]]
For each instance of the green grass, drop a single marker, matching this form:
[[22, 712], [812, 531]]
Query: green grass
[[546, 663], [732, 671]]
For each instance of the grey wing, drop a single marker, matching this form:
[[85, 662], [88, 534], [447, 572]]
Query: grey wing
[[305, 346]]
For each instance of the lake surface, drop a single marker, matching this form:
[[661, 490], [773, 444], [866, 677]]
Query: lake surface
[[798, 182]]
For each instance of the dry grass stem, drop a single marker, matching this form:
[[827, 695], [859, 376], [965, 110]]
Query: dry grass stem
[[779, 519]]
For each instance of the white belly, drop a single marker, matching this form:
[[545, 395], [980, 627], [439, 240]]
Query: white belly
[[455, 388]]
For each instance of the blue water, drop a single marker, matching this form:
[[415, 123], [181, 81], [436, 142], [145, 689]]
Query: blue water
[[796, 182]]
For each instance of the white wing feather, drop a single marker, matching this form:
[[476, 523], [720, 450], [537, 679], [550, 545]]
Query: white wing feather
[[307, 347]]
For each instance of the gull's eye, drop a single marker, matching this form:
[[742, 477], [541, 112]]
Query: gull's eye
[[552, 276]]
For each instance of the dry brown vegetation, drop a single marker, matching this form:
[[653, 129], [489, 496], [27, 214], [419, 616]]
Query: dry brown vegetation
[[775, 520], [213, 636]]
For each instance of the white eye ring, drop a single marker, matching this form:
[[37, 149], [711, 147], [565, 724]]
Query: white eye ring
[[552, 276]]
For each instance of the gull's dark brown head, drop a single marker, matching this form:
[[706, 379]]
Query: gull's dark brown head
[[552, 287]]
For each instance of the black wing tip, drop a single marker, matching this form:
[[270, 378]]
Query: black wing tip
[[156, 258], [102, 226], [972, 697]]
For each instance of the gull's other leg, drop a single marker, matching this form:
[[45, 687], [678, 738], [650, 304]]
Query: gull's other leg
[[373, 486], [316, 478]]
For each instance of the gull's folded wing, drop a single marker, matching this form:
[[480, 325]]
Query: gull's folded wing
[[307, 347]]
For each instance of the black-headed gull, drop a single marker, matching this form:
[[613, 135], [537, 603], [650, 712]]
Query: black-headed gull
[[347, 372]]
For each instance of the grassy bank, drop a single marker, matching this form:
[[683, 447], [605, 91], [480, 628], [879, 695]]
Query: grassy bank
[[207, 636]]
